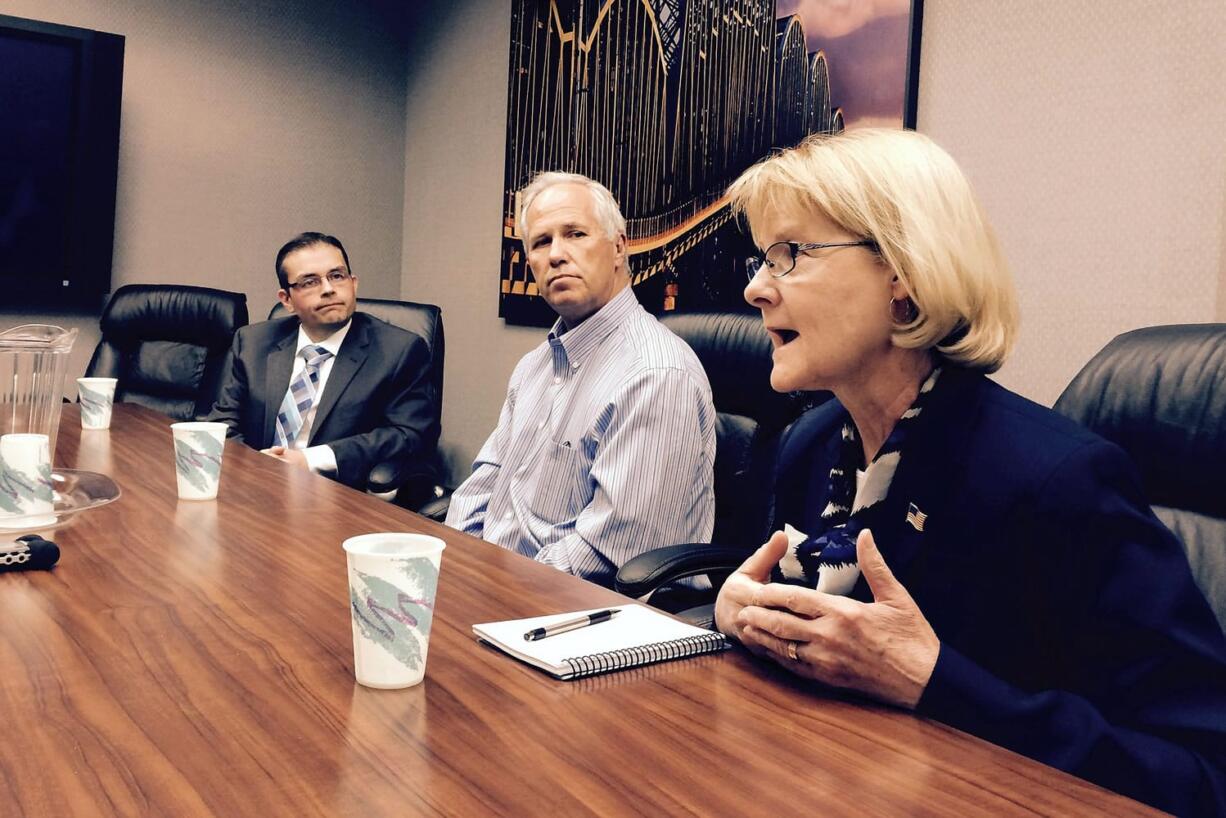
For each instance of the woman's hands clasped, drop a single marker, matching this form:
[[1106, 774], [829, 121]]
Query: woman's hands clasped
[[885, 649]]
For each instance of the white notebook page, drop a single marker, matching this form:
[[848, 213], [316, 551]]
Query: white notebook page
[[632, 626]]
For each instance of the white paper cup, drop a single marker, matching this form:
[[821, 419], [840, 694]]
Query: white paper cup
[[392, 583], [198, 448], [96, 396], [27, 499]]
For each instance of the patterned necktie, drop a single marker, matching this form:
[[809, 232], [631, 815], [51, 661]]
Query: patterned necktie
[[300, 396]]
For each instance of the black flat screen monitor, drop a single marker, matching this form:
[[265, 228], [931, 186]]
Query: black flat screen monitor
[[60, 90]]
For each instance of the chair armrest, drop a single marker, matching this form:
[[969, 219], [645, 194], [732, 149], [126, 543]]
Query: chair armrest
[[414, 487], [436, 507], [383, 477], [647, 572], [414, 482]]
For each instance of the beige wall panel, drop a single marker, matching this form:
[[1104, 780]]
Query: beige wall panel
[[1095, 133]]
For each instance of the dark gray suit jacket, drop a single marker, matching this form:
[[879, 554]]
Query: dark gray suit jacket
[[378, 405]]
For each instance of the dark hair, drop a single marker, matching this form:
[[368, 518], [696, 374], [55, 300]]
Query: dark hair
[[307, 240]]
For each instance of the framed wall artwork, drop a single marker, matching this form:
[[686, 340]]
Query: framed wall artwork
[[666, 101]]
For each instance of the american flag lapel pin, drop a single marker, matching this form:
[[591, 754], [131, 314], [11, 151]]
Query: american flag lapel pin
[[916, 517]]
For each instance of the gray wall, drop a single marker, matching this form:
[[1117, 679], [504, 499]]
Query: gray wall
[[244, 123], [454, 152]]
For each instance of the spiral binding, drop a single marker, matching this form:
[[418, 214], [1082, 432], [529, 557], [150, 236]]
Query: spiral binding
[[644, 655]]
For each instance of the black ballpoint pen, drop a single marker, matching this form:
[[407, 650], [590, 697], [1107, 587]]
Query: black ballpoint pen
[[570, 624]]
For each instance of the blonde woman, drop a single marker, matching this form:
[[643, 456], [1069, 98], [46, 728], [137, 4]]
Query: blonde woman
[[946, 545]]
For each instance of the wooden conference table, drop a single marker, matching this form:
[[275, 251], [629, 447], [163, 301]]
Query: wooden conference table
[[195, 658]]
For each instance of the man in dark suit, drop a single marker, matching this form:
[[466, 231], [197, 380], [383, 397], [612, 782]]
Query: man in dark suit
[[327, 388]]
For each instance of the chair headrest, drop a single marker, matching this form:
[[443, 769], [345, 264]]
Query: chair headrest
[[174, 312], [1160, 394], [420, 319], [735, 352]]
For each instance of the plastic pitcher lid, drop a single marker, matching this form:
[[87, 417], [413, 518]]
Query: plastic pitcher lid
[[38, 336]]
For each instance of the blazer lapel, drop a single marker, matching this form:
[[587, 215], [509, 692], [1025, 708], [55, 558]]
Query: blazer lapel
[[276, 381], [925, 476], [349, 360], [802, 479]]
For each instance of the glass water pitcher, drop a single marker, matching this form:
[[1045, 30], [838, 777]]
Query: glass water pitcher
[[33, 362]]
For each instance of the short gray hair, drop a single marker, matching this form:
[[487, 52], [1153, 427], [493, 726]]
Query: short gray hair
[[608, 214]]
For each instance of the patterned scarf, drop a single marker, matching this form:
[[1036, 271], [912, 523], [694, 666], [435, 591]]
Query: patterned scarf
[[828, 561]]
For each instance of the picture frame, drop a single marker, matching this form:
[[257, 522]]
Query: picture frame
[[666, 102]]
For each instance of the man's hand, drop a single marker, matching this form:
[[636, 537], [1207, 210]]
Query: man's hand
[[885, 648], [292, 456], [739, 589]]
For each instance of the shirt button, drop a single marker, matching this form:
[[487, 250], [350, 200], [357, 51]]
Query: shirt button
[[506, 516], [557, 380], [574, 366]]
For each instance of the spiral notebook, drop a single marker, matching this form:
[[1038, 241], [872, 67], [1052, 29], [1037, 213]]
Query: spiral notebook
[[636, 636]]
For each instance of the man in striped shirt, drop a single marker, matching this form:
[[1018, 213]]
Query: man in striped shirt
[[605, 444]]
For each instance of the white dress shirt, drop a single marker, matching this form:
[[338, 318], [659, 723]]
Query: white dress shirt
[[320, 459]]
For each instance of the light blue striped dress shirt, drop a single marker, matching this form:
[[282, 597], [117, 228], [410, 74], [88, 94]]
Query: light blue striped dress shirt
[[603, 450]]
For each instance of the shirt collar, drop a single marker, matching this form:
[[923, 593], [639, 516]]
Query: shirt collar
[[579, 341], [332, 343]]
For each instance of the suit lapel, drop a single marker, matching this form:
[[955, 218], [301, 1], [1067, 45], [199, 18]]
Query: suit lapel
[[276, 380], [925, 476], [803, 477], [349, 360]]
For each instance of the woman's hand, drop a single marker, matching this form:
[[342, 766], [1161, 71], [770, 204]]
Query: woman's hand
[[739, 589], [885, 649]]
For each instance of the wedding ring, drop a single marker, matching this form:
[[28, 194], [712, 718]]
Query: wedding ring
[[792, 651]]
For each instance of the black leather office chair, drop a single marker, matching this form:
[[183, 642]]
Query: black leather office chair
[[417, 484], [1160, 394], [167, 345], [735, 351]]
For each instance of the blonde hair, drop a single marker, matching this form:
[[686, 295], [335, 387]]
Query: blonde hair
[[906, 194]]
